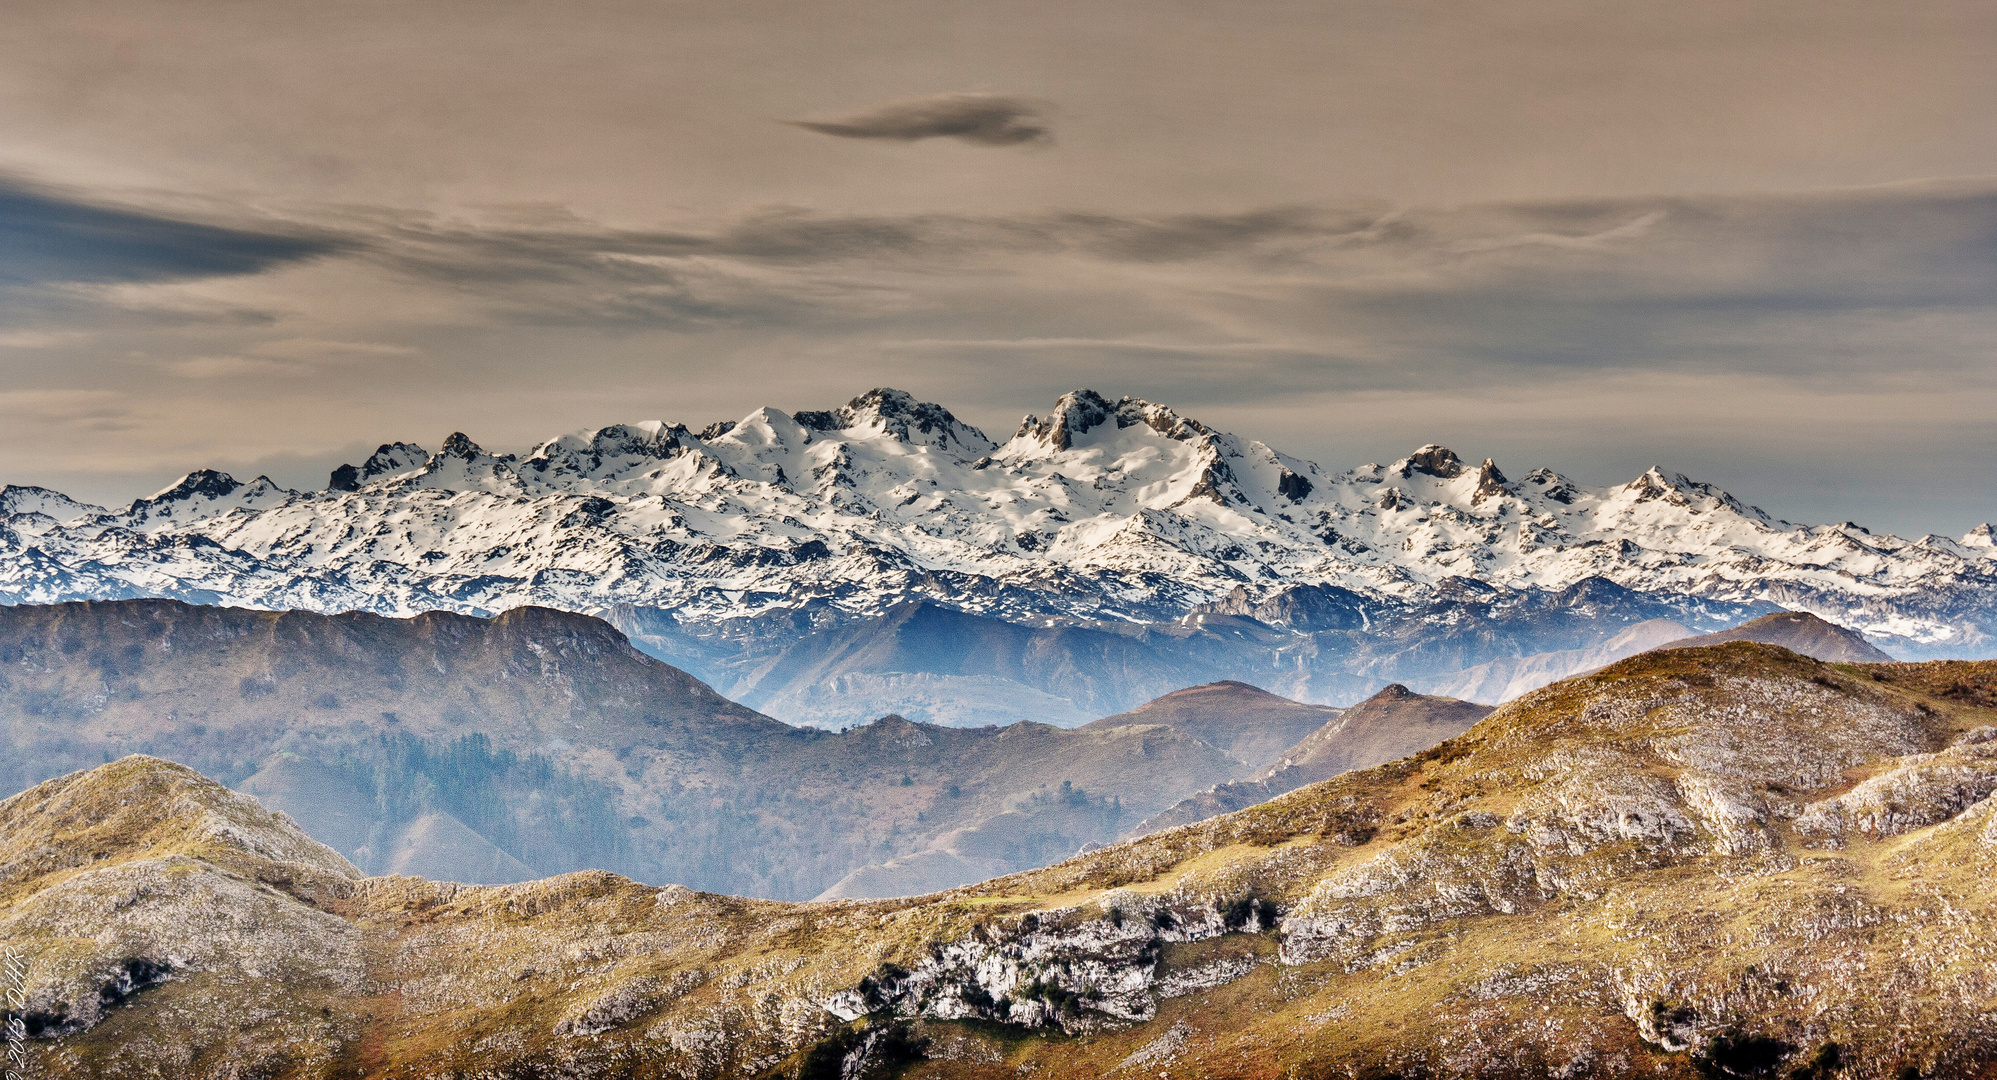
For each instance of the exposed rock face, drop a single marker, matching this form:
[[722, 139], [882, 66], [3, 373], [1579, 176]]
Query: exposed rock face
[[1438, 461], [143, 872], [1630, 874]]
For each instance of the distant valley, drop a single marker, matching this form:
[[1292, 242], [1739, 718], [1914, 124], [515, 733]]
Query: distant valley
[[539, 742]]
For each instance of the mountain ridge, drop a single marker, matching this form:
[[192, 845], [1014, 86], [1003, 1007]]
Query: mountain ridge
[[1110, 551], [1394, 723], [1105, 509], [472, 747]]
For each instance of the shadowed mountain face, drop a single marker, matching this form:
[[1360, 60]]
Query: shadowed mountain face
[[1252, 725], [1726, 861], [1391, 724], [928, 657], [1797, 631], [539, 742], [1248, 725]]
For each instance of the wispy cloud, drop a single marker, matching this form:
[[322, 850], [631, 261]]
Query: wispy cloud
[[60, 410], [981, 119], [53, 237], [288, 358]]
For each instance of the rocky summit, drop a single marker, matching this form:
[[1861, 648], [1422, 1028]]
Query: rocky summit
[[721, 547], [1718, 861]]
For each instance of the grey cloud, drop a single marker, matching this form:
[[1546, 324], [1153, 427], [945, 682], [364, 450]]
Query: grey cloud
[[1546, 282], [473, 255], [48, 237], [983, 119]]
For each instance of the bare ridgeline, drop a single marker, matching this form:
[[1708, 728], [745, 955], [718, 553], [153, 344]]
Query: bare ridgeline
[[1613, 814]]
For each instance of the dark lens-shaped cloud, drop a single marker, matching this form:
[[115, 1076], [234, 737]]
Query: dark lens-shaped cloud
[[47, 238], [985, 119]]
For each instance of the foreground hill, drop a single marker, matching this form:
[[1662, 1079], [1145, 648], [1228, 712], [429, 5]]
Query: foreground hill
[[1728, 861], [756, 553], [539, 741]]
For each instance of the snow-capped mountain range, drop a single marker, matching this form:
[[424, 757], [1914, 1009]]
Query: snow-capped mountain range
[[1101, 511]]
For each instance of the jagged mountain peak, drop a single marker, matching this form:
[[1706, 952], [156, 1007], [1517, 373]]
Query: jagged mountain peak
[[592, 452], [458, 445], [900, 414], [1075, 413], [1083, 418], [1694, 497], [458, 465], [201, 495], [1117, 509], [1655, 483], [1490, 482], [199, 484], [28, 499], [1431, 460], [1552, 486], [389, 459]]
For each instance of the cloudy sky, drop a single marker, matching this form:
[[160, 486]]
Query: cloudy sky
[[1753, 242]]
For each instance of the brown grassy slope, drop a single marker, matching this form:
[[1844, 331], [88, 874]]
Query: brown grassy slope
[[1730, 861], [1391, 724], [1252, 725], [1797, 631]]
